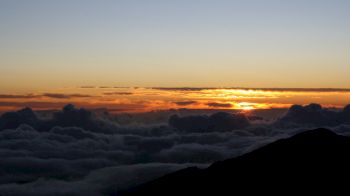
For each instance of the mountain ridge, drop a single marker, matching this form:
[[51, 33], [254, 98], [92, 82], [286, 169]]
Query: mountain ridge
[[314, 161]]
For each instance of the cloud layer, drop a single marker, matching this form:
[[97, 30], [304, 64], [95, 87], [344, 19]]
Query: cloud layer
[[75, 151], [220, 121]]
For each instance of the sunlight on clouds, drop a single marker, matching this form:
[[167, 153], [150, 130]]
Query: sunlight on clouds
[[134, 99]]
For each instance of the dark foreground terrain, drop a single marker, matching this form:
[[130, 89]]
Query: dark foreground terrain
[[316, 161]]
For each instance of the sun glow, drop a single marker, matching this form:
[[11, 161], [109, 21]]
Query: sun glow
[[130, 99], [246, 106]]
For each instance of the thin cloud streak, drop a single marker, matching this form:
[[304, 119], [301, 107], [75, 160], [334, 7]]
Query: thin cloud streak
[[254, 89]]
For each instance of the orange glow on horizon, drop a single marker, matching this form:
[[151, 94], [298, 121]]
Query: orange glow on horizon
[[133, 100]]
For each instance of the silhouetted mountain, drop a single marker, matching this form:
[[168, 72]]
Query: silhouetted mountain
[[310, 162]]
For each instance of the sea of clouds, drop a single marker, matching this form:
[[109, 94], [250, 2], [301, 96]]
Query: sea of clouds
[[75, 152]]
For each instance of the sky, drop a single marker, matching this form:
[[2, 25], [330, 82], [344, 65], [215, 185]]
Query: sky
[[243, 50], [142, 61], [47, 44]]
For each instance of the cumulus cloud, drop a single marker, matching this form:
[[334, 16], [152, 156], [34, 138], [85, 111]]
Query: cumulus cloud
[[313, 114], [14, 119], [68, 117]]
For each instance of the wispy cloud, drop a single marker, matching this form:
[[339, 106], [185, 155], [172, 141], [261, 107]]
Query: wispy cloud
[[245, 88], [181, 88], [65, 96], [185, 103], [118, 93], [87, 87], [10, 96], [219, 105]]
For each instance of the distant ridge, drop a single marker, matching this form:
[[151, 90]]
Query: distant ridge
[[316, 161]]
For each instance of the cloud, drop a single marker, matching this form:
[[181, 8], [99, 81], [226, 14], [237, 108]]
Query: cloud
[[345, 114], [68, 117], [219, 105], [75, 132], [12, 120], [299, 89], [181, 89], [71, 116], [263, 89], [313, 114], [194, 153], [88, 87], [65, 96], [76, 152], [33, 104], [220, 121], [9, 96], [50, 95], [118, 93], [185, 103], [106, 181]]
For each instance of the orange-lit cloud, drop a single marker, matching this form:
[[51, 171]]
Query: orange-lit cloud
[[148, 99]]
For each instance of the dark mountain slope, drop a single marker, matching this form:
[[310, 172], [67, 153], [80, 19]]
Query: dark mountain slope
[[314, 161]]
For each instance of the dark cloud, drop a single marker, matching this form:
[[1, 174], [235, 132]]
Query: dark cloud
[[185, 103], [314, 114], [68, 117], [11, 120], [71, 116], [105, 181], [345, 114], [194, 153], [65, 96], [75, 157], [76, 152], [219, 105], [220, 121]]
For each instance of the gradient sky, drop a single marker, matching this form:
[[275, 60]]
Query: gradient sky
[[247, 43]]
